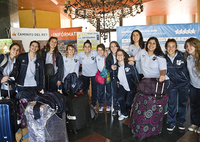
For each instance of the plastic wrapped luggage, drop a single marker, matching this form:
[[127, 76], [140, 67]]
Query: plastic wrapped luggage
[[78, 114], [147, 112], [49, 127]]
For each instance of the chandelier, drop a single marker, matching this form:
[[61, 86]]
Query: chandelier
[[102, 14]]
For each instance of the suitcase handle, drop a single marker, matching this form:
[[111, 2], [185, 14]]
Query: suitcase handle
[[163, 85], [8, 91]]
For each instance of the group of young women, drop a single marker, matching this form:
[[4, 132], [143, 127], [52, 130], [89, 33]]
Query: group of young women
[[121, 72]]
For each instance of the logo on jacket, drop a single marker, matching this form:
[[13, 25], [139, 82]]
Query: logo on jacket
[[73, 85], [127, 69], [38, 64], [75, 60], [82, 58], [65, 60], [92, 57], [154, 58], [179, 62], [132, 50], [23, 60], [143, 56]]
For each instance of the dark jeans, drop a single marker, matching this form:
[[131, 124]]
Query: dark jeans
[[101, 94], [195, 105], [26, 88], [51, 83], [86, 84], [114, 94], [172, 104], [4, 93], [125, 99]]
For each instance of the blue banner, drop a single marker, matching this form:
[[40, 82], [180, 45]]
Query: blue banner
[[180, 32]]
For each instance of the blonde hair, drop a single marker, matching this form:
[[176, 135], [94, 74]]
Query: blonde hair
[[196, 44]]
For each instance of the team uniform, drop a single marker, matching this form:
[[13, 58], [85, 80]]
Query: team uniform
[[132, 52], [8, 69], [89, 69], [128, 77], [179, 83], [70, 66], [111, 60], [51, 81], [31, 72], [101, 87], [194, 92], [152, 65]]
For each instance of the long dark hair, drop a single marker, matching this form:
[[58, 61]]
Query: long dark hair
[[141, 42], [55, 52], [126, 56], [158, 50]]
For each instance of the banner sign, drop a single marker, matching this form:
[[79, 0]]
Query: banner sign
[[94, 38], [180, 32], [65, 36], [24, 36]]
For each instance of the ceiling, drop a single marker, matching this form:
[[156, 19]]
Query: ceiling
[[151, 7]]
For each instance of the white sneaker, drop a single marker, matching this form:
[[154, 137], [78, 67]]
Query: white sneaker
[[198, 131], [100, 108], [122, 117], [108, 108], [192, 128]]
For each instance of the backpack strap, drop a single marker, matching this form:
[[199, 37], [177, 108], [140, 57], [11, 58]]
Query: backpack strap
[[5, 59]]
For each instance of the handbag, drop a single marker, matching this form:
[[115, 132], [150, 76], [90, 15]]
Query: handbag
[[49, 69], [98, 78], [151, 86]]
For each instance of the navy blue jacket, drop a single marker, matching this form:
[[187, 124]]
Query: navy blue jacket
[[14, 71], [59, 64], [131, 75], [109, 63], [22, 60], [177, 71]]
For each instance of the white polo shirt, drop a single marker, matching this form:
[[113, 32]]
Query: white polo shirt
[[89, 65], [194, 79], [100, 62], [49, 60], [114, 59], [7, 71], [122, 78], [132, 52], [30, 73], [152, 65], [172, 58], [70, 65]]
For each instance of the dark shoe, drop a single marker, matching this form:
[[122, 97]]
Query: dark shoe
[[170, 127], [181, 127], [115, 112]]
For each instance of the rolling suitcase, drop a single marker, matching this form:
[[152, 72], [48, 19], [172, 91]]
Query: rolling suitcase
[[78, 114], [49, 127], [8, 123], [147, 112]]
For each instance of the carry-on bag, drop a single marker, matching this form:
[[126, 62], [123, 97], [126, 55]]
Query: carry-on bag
[[8, 123], [78, 114], [147, 112], [49, 127]]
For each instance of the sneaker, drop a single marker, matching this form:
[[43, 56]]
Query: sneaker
[[181, 127], [170, 127], [108, 108], [192, 128], [100, 108], [198, 131], [93, 106], [122, 117], [115, 112]]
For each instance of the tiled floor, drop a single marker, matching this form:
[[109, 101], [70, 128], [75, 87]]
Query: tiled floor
[[107, 128]]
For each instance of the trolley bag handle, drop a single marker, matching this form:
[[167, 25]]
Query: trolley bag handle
[[163, 85]]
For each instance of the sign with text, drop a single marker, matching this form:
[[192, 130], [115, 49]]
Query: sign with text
[[180, 32]]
